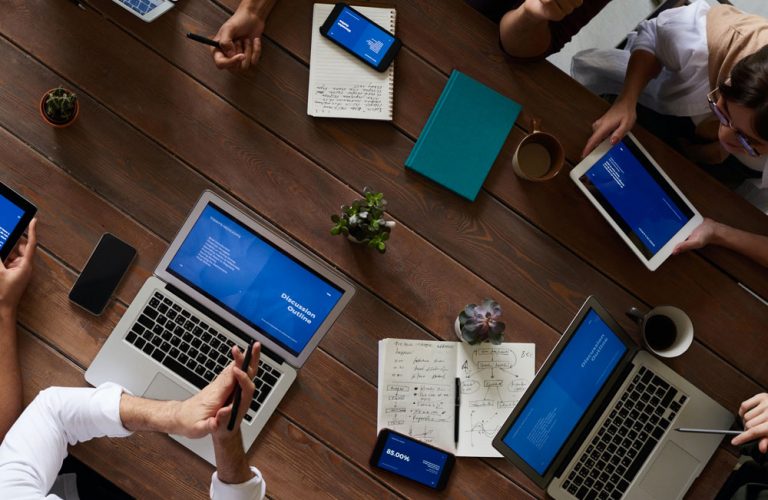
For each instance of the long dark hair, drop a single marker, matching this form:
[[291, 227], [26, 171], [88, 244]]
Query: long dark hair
[[749, 87]]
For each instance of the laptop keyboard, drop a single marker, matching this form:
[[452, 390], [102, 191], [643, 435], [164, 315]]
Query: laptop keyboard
[[140, 6], [172, 335], [626, 438]]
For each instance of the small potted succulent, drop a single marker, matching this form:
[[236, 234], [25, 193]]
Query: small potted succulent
[[59, 107], [363, 221], [480, 323]]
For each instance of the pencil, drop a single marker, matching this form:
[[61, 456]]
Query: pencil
[[203, 40]]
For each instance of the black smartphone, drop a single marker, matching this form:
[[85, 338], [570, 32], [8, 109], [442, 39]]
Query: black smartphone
[[408, 457], [361, 37], [102, 273], [15, 215]]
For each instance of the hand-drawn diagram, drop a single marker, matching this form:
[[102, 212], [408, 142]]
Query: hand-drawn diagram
[[493, 378], [417, 382]]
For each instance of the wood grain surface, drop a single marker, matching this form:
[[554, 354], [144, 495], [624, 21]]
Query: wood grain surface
[[159, 124]]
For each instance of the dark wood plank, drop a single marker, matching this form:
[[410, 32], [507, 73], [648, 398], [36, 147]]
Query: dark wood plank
[[674, 285], [48, 325], [165, 141]]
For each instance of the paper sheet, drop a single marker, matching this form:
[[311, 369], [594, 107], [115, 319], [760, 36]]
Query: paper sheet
[[417, 381], [416, 389], [493, 378]]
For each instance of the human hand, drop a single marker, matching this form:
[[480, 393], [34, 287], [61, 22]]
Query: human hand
[[699, 238], [550, 10], [616, 122], [16, 272], [754, 413], [240, 39], [208, 411]]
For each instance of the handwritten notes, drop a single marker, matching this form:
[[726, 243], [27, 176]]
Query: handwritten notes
[[417, 381], [493, 378], [340, 86]]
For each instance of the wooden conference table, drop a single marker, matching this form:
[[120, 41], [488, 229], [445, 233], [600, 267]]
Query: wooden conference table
[[159, 124]]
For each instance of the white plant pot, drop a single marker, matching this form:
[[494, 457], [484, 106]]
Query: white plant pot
[[457, 329]]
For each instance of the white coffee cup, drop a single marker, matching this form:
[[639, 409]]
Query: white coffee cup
[[667, 331]]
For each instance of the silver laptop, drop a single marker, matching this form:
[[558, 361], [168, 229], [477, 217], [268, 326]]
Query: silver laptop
[[226, 278], [598, 419]]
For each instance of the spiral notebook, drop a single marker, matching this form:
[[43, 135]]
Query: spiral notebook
[[341, 86]]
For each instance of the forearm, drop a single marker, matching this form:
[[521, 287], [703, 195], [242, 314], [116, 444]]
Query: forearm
[[523, 35], [260, 8], [139, 414], [754, 246], [10, 371], [641, 69]]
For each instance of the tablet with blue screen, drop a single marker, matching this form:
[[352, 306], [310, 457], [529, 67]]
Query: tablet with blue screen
[[637, 199], [15, 215]]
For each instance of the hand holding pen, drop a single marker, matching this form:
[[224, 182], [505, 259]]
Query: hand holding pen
[[244, 377]]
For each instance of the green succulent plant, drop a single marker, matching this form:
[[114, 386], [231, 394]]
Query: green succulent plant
[[481, 323], [363, 220], [60, 105]]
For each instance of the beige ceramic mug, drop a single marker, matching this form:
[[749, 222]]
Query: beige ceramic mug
[[539, 156]]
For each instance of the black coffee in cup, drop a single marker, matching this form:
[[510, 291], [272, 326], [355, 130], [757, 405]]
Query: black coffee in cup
[[660, 332]]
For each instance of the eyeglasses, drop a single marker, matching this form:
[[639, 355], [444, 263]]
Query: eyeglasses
[[727, 122]]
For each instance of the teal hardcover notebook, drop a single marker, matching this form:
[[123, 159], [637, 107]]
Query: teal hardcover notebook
[[463, 135]]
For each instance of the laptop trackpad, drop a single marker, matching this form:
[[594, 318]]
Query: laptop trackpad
[[165, 389], [670, 472]]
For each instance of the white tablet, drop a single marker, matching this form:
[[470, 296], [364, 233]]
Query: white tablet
[[148, 10], [637, 199]]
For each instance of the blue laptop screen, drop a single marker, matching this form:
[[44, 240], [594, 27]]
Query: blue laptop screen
[[565, 393], [646, 208], [254, 280]]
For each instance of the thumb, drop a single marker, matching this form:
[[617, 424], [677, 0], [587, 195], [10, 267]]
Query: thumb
[[227, 46]]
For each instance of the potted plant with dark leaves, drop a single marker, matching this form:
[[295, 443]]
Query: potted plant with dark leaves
[[363, 221], [59, 107], [480, 323]]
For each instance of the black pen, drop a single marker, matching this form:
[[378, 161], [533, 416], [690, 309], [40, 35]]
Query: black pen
[[77, 2], [457, 405], [204, 40], [238, 393]]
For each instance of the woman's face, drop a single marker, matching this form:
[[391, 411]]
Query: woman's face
[[741, 118]]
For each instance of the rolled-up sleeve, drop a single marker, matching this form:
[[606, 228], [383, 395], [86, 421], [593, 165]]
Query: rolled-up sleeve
[[253, 489], [35, 447]]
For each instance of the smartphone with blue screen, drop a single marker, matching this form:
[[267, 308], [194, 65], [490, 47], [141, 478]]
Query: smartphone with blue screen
[[361, 37], [15, 215], [410, 458]]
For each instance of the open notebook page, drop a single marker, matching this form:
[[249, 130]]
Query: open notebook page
[[342, 86], [416, 389], [493, 379]]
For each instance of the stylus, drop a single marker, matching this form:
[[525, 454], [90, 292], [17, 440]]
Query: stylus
[[238, 393], [709, 431], [457, 405], [204, 40], [77, 2]]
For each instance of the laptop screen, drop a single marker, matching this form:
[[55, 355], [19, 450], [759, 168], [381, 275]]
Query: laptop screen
[[565, 393], [643, 204], [253, 279]]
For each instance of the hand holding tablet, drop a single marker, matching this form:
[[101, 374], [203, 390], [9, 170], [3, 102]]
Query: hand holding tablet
[[636, 197], [15, 215]]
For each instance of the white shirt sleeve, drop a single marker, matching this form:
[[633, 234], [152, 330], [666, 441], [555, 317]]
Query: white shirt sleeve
[[253, 489], [35, 447], [645, 38]]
